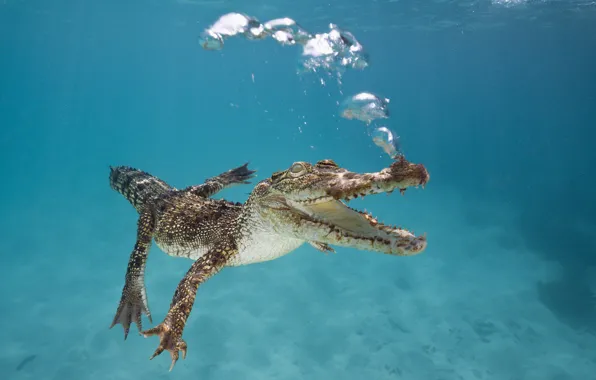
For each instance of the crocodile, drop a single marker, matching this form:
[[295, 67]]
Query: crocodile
[[304, 204]]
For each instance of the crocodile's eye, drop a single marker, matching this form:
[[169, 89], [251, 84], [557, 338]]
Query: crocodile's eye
[[297, 169]]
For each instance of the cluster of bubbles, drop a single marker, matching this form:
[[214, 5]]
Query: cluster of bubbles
[[331, 52], [335, 51], [367, 107]]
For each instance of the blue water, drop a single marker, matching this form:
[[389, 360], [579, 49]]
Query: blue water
[[497, 100]]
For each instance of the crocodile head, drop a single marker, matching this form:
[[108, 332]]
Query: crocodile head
[[308, 202]]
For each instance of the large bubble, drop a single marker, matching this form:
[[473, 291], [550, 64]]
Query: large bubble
[[385, 139], [229, 25], [365, 107]]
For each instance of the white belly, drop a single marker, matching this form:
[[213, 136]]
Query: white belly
[[261, 246], [264, 246]]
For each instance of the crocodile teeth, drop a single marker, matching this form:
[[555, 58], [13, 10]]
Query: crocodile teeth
[[369, 217], [372, 220]]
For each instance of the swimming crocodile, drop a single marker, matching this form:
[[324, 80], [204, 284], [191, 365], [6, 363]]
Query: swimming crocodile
[[304, 204]]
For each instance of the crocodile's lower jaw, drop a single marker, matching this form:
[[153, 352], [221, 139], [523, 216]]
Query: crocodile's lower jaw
[[333, 222]]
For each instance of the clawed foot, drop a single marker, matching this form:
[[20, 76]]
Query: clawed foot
[[132, 305], [238, 175], [169, 340]]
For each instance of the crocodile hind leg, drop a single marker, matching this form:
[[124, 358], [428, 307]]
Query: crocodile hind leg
[[170, 330], [133, 302], [213, 185]]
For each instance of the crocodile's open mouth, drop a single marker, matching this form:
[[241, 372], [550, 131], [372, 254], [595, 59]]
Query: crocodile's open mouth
[[311, 202], [339, 224]]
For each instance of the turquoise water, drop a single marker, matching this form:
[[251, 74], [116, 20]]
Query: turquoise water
[[497, 100]]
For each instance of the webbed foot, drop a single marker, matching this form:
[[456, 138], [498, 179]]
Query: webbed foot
[[169, 339], [133, 304]]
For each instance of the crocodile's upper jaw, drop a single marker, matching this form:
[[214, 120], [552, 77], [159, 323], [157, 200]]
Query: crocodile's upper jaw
[[308, 202]]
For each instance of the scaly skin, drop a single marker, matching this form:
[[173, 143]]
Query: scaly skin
[[150, 195], [303, 204]]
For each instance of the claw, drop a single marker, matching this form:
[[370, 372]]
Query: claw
[[168, 340], [157, 352]]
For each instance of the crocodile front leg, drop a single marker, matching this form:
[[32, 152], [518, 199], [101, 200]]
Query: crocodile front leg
[[170, 330], [213, 185], [133, 302]]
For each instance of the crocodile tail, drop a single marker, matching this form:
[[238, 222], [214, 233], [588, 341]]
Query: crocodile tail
[[136, 185]]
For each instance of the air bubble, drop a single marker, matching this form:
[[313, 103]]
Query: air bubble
[[286, 31], [365, 107], [230, 25], [210, 40], [333, 51], [385, 139]]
